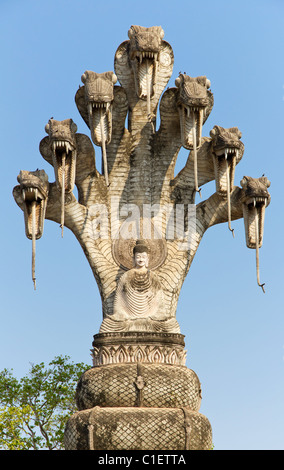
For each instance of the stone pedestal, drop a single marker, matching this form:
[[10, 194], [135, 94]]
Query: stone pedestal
[[133, 347], [138, 396]]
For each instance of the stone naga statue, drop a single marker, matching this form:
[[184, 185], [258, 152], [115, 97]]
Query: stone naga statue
[[138, 168], [139, 227]]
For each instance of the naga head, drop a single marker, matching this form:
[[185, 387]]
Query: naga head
[[144, 54], [99, 95], [195, 102], [255, 198], [227, 150], [62, 141], [34, 189], [31, 195]]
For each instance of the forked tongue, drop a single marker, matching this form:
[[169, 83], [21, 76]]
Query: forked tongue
[[195, 154], [104, 147], [148, 90], [228, 192], [257, 246], [63, 192], [33, 207]]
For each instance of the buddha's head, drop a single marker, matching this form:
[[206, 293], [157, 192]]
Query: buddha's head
[[140, 255]]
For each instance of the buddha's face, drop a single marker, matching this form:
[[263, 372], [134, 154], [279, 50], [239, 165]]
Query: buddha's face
[[141, 260]]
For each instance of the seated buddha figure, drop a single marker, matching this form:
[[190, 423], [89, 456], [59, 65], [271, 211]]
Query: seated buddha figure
[[139, 299]]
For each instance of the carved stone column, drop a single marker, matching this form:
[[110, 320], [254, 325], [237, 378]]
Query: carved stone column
[[138, 396]]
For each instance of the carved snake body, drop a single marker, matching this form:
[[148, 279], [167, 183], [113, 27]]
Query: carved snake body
[[141, 160]]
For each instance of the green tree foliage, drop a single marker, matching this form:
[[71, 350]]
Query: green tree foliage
[[34, 409]]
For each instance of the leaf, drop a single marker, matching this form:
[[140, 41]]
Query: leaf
[[35, 408]]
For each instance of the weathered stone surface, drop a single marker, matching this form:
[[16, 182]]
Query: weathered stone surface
[[139, 164], [161, 386], [195, 102], [31, 195], [134, 347], [138, 429], [139, 303]]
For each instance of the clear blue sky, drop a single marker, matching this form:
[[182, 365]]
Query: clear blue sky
[[234, 333]]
